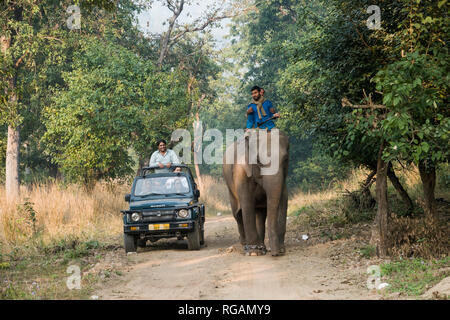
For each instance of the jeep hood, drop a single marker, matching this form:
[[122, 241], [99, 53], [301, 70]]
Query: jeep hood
[[159, 203]]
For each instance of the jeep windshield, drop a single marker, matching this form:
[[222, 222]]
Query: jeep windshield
[[162, 186]]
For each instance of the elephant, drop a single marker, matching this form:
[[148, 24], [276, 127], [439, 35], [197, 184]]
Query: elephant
[[256, 196]]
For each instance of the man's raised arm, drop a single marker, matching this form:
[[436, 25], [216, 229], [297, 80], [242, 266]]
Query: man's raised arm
[[272, 110], [250, 118]]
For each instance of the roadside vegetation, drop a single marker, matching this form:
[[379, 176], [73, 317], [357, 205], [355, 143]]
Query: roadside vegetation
[[53, 227], [366, 110], [57, 225], [412, 277], [420, 248]]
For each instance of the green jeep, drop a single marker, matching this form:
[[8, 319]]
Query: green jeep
[[164, 204]]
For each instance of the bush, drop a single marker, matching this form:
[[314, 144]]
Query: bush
[[423, 237], [317, 173]]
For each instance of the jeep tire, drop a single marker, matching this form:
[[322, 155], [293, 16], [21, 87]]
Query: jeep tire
[[193, 238], [130, 243], [142, 243], [202, 234]]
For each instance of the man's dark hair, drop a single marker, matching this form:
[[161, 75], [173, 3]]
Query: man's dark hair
[[255, 88], [159, 142]]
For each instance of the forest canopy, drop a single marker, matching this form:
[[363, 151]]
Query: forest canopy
[[89, 103]]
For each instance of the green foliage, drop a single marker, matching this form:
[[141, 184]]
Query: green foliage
[[368, 251], [416, 91], [280, 46], [42, 49], [94, 97], [317, 172], [89, 124], [414, 276], [311, 54], [114, 100], [26, 209], [443, 176], [87, 98]]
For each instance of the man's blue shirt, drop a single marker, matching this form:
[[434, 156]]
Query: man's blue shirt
[[253, 120]]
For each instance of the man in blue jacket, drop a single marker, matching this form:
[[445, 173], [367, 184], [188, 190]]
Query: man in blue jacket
[[260, 110]]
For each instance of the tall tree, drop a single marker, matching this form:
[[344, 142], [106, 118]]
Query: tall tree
[[212, 15], [28, 30], [415, 87]]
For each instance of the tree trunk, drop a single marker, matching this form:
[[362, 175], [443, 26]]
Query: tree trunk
[[165, 40], [197, 173], [12, 149], [12, 185], [367, 184], [401, 191], [143, 162], [428, 177], [380, 230], [197, 149], [12, 164]]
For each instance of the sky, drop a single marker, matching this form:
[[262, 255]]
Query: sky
[[152, 20]]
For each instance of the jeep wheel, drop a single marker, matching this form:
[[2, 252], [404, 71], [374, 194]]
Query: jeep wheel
[[202, 234], [130, 242], [142, 243], [193, 238]]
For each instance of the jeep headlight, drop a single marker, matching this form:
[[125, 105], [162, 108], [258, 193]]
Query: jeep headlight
[[135, 217], [183, 213]]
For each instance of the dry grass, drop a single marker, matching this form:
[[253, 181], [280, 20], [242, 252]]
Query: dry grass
[[72, 224], [49, 213], [214, 195], [301, 199], [421, 237], [52, 213]]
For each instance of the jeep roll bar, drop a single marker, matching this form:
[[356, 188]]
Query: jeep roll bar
[[173, 167]]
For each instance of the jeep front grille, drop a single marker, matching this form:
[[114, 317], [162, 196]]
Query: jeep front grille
[[152, 216]]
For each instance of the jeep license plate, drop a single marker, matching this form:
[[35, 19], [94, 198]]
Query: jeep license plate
[[159, 226]]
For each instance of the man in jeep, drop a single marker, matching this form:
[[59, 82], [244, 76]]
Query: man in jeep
[[163, 157]]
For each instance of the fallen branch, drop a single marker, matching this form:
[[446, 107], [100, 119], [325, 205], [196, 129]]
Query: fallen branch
[[347, 103]]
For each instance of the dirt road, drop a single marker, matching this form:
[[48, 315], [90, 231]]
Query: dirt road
[[166, 270]]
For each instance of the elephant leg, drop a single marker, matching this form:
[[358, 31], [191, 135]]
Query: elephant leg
[[274, 188], [249, 219], [237, 213], [251, 247], [240, 224], [282, 215], [273, 227], [261, 215]]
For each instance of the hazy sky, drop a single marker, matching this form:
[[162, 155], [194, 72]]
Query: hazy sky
[[152, 20]]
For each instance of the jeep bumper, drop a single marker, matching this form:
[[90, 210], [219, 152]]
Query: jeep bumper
[[159, 228]]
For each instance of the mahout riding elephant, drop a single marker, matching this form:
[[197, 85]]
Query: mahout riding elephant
[[257, 192]]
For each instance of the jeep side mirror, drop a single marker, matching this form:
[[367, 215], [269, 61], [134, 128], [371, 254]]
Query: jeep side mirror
[[128, 198], [197, 193]]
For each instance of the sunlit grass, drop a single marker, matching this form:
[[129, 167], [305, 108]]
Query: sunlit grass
[[414, 276], [52, 212], [214, 195]]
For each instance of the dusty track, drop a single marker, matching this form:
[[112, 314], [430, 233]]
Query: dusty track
[[166, 270]]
